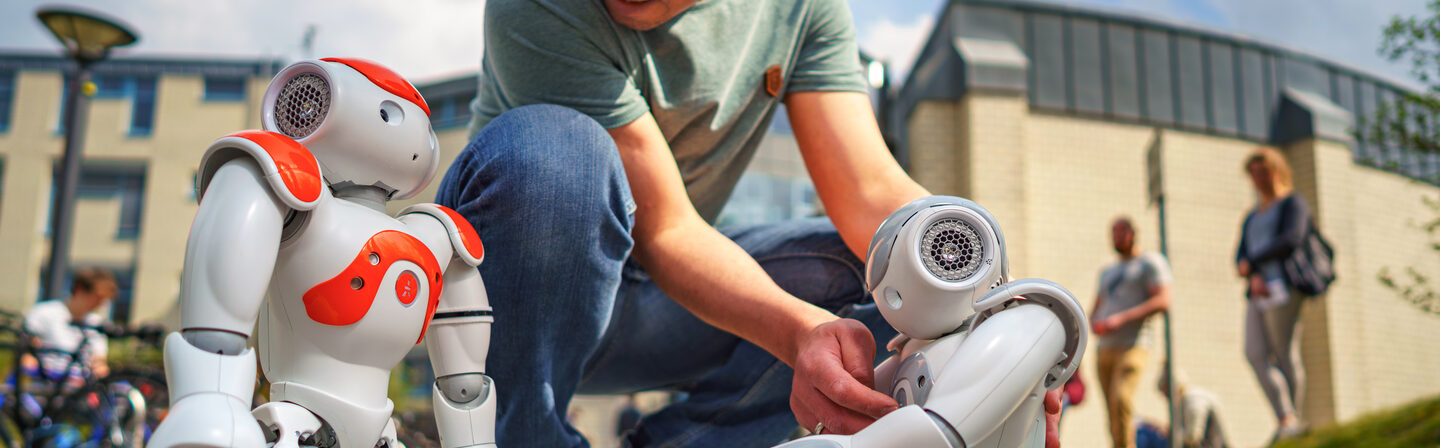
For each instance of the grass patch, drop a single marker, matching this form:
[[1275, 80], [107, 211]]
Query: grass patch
[[1413, 425]]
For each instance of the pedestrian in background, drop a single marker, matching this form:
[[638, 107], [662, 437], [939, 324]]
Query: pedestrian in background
[[1199, 413], [1271, 232], [1132, 289]]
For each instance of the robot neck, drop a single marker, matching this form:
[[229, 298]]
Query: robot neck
[[367, 195]]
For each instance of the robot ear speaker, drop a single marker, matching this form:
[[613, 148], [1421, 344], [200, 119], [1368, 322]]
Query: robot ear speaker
[[952, 249]]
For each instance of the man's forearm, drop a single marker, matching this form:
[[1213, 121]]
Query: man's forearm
[[1156, 303], [715, 279], [855, 176]]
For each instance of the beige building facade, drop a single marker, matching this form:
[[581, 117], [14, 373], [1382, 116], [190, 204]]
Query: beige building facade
[[1057, 156], [149, 122]]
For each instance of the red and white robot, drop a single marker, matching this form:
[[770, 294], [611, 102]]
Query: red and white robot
[[297, 211], [976, 350]]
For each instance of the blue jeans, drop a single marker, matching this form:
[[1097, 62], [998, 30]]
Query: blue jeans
[[544, 187]]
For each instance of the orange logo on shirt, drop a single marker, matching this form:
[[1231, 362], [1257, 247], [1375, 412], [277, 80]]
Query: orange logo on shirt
[[774, 78]]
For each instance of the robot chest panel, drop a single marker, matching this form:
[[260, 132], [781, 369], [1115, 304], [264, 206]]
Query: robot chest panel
[[344, 265]]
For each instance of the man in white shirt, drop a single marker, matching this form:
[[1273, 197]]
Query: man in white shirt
[[60, 326]]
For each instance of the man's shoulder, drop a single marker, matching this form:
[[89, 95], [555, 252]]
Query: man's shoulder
[[47, 309], [1155, 259]]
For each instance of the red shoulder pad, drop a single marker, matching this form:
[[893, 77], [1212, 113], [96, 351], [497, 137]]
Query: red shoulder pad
[[292, 171], [462, 235], [386, 79]]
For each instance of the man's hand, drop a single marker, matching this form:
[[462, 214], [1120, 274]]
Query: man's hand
[[1243, 268], [834, 380], [1106, 325], [100, 368], [1258, 288], [1052, 419]]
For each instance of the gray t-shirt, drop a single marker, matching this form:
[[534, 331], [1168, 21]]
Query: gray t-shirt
[[702, 74], [1126, 284]]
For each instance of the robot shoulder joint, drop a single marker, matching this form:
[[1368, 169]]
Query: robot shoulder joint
[[462, 234], [292, 171]]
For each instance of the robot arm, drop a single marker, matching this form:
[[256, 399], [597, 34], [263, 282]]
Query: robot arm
[[228, 262], [458, 342], [459, 337]]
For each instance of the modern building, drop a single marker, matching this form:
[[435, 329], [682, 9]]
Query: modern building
[[1059, 119]]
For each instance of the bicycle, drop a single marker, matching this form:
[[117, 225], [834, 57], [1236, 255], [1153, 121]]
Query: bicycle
[[71, 407]]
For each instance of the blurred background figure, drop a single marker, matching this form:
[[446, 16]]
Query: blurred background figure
[[1272, 231], [60, 327], [1199, 413], [1131, 290]]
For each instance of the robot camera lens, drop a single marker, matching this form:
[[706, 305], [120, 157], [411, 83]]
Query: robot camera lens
[[384, 116]]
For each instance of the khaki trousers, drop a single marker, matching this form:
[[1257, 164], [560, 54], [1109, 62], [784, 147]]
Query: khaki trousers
[[1119, 370]]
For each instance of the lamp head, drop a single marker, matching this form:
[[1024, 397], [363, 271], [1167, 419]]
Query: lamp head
[[87, 36]]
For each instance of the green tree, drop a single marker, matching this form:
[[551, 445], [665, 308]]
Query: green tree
[[1411, 125]]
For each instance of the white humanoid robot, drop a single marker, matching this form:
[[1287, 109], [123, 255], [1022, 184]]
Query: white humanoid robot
[[976, 351], [298, 211]]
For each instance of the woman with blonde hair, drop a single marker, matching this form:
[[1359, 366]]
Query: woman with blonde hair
[[1272, 230]]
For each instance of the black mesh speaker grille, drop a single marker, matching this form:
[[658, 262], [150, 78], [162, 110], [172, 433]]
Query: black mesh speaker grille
[[302, 105], [951, 249]]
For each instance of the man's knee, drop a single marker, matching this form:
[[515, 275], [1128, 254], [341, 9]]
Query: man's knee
[[541, 155]]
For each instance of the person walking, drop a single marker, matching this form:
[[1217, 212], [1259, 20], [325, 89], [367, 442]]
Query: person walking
[[1272, 230], [1132, 289]]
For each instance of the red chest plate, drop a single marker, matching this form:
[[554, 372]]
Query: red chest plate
[[346, 298]]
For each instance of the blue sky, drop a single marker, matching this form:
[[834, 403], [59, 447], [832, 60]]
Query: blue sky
[[433, 39]]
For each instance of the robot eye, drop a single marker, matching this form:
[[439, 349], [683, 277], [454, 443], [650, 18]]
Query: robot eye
[[391, 113]]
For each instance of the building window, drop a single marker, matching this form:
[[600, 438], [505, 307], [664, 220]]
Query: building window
[[7, 96], [115, 182], [111, 86], [140, 90], [142, 112], [224, 88], [450, 111]]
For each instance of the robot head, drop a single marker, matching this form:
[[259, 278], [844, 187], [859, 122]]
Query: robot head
[[365, 124], [931, 260]]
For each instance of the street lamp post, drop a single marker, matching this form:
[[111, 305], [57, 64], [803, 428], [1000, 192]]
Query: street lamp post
[[87, 38]]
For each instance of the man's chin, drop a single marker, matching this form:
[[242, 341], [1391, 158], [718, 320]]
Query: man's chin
[[638, 15]]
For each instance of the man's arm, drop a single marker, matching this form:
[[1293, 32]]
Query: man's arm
[[716, 280], [1159, 301], [1095, 325], [856, 177]]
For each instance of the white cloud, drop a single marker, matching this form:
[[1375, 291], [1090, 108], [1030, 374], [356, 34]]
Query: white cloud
[[896, 43]]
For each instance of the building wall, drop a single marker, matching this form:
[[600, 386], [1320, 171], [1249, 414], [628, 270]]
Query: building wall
[[1075, 174], [185, 124]]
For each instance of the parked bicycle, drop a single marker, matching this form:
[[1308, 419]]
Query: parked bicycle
[[71, 406]]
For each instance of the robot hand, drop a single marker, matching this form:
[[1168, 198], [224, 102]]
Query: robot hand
[[210, 406]]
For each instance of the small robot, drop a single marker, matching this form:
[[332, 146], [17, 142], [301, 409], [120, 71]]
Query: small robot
[[297, 210], [976, 351]]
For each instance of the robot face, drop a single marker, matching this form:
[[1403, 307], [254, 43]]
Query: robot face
[[931, 260], [365, 124]]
